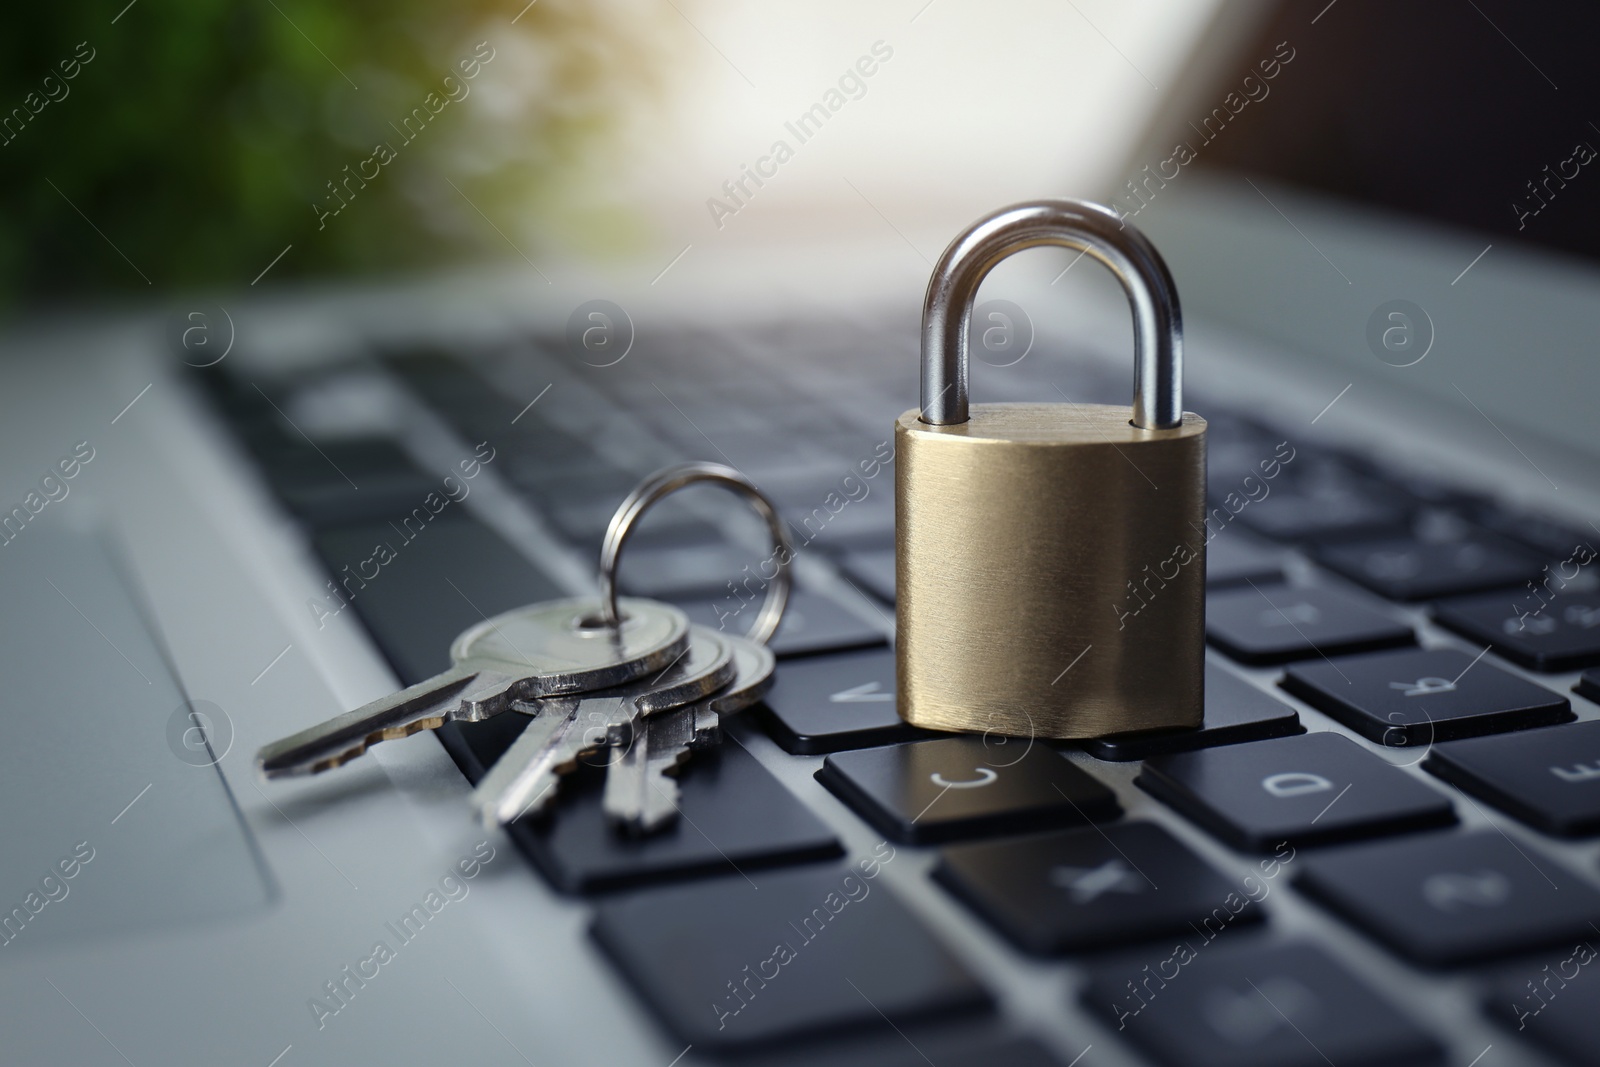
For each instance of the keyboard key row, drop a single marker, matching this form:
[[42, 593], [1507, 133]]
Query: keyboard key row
[[1461, 896]]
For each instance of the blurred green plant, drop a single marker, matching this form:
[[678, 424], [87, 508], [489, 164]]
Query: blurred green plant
[[199, 137]]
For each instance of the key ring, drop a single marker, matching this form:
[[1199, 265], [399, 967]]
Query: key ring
[[670, 480]]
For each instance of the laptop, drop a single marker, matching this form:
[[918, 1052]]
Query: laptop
[[1383, 847]]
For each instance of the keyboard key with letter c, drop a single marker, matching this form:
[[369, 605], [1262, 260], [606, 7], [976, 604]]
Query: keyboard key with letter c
[[960, 787]]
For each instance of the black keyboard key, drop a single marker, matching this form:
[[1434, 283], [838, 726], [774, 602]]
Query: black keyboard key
[[1550, 538], [727, 966], [1305, 790], [1560, 635], [736, 817], [830, 703], [1243, 462], [1549, 778], [1264, 625], [1236, 711], [1235, 557], [1403, 569], [675, 566], [1090, 889], [1333, 509], [1253, 1006], [1444, 899], [583, 519], [955, 1046], [1589, 685], [447, 577], [1547, 1000], [1434, 492], [812, 623], [554, 481], [963, 787], [348, 481], [1417, 696], [455, 388]]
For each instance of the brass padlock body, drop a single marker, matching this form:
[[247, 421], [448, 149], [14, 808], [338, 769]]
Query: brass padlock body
[[1050, 571]]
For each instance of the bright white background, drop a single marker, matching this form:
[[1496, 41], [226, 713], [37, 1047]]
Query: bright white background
[[982, 104]]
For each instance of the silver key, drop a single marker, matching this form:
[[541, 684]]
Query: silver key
[[541, 650], [564, 729], [641, 793]]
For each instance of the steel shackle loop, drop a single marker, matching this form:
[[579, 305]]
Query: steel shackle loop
[[1087, 228]]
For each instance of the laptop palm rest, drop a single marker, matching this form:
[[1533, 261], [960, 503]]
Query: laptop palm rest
[[115, 810]]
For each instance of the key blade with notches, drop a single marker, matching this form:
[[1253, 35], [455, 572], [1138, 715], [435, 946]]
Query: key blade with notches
[[523, 780], [541, 650], [641, 792]]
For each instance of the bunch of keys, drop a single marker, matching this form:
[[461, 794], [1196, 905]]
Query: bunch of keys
[[630, 677]]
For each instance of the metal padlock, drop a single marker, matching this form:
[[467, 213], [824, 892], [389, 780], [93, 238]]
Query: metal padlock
[[1050, 557]]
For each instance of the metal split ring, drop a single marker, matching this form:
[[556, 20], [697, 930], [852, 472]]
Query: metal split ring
[[670, 480]]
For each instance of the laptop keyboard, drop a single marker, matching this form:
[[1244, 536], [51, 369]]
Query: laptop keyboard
[[1314, 598]]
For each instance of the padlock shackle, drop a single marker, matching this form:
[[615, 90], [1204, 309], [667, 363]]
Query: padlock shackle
[[1075, 224]]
